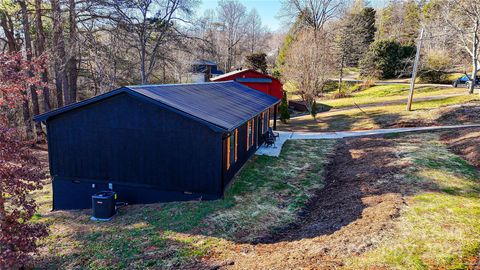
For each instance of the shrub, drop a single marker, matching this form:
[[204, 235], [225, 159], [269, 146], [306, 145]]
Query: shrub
[[314, 109], [257, 61], [385, 59], [284, 113], [435, 67], [20, 174]]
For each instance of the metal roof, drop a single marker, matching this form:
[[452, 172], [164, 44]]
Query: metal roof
[[254, 80], [229, 74], [236, 72], [225, 105]]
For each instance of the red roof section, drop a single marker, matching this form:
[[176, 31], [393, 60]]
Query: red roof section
[[271, 87]]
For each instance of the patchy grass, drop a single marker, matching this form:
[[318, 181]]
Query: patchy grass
[[418, 209], [267, 193], [439, 229], [424, 113]]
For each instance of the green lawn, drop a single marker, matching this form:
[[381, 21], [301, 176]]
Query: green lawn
[[424, 113], [266, 194], [437, 228], [389, 93]]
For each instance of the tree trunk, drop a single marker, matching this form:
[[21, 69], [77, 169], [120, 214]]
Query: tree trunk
[[26, 117], [143, 56], [475, 44], [28, 49], [72, 69], [7, 26], [40, 49], [61, 80], [340, 81]]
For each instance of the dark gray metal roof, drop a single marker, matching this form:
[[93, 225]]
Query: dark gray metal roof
[[226, 105]]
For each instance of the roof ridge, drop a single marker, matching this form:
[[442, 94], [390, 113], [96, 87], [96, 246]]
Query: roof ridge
[[175, 84], [225, 106]]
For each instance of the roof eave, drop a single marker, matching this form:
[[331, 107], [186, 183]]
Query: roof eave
[[44, 117], [243, 122]]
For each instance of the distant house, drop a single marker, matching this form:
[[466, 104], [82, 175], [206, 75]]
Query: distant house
[[203, 70], [254, 79], [154, 143]]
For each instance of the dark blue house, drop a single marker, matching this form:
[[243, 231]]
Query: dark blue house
[[154, 143], [203, 70]]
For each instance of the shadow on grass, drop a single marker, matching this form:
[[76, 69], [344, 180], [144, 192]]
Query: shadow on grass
[[132, 240], [366, 168], [175, 235], [355, 119]]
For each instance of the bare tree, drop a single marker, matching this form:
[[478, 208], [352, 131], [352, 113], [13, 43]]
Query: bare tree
[[232, 13], [29, 52], [255, 31], [7, 25], [310, 60], [71, 64], [313, 13], [40, 50], [463, 16], [310, 65], [58, 44], [152, 24]]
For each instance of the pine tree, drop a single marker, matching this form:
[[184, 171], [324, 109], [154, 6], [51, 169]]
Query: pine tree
[[313, 110], [257, 61], [284, 113]]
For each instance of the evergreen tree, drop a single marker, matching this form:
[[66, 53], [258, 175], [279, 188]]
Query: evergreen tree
[[314, 109], [284, 113], [257, 61], [282, 55], [386, 59], [368, 18], [355, 34]]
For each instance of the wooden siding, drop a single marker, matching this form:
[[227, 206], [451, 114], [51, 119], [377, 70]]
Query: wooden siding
[[127, 141]]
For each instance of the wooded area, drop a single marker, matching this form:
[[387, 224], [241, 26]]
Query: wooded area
[[57, 52], [72, 50], [379, 42]]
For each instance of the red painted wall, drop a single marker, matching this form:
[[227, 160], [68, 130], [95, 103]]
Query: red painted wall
[[275, 88]]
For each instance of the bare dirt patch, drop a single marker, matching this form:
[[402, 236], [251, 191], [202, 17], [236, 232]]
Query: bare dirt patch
[[464, 113], [351, 215], [410, 123], [465, 143]]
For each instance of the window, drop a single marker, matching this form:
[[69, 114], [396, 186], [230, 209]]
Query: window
[[253, 131], [232, 145], [228, 153], [233, 140], [236, 145], [249, 133]]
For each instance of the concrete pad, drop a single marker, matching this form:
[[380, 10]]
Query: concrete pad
[[275, 150], [284, 136]]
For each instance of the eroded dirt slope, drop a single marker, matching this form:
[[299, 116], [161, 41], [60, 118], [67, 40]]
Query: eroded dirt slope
[[465, 143], [348, 217]]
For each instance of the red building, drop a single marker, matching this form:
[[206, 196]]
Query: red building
[[254, 79]]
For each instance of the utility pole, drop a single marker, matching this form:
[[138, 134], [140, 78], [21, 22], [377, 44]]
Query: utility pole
[[414, 73]]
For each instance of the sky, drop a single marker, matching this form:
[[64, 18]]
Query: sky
[[268, 9]]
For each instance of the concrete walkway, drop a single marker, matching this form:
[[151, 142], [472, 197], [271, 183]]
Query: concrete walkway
[[287, 135]]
